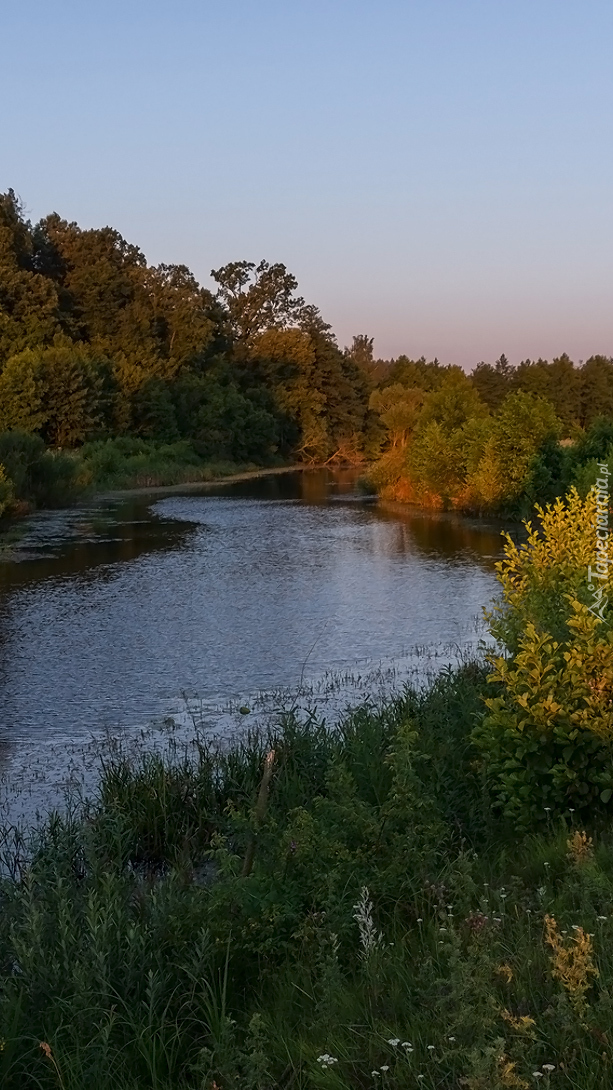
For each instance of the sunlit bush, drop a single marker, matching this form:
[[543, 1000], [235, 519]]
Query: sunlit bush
[[547, 738]]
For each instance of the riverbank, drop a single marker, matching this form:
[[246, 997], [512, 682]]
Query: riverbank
[[313, 906], [195, 486]]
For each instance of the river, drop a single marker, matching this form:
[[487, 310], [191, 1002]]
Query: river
[[131, 610]]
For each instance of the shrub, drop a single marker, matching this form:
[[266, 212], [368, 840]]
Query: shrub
[[547, 737], [42, 477]]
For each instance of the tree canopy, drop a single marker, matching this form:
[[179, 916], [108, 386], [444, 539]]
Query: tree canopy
[[95, 343]]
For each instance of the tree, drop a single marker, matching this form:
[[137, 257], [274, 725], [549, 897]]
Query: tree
[[153, 411], [28, 300], [565, 391], [71, 387], [435, 463], [361, 352], [22, 393], [259, 298], [399, 408], [453, 403], [518, 431], [596, 384], [533, 377], [493, 383], [426, 376], [157, 318], [223, 421]]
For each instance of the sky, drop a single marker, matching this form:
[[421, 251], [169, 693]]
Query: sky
[[437, 174]]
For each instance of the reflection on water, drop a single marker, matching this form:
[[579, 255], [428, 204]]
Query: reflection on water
[[110, 613]]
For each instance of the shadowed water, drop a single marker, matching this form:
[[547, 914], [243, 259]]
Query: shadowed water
[[111, 614]]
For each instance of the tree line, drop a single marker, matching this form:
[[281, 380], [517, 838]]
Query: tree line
[[499, 439], [94, 342], [98, 346]]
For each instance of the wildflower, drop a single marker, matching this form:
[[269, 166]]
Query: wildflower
[[451, 1038], [549, 1067], [505, 971], [394, 1042], [572, 962], [548, 809], [476, 921], [326, 1060], [601, 917], [442, 928], [385, 1067], [580, 848], [374, 1074], [523, 1023], [537, 1074], [430, 1047], [46, 1049], [419, 919]]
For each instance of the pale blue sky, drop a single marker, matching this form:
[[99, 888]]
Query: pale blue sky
[[436, 173]]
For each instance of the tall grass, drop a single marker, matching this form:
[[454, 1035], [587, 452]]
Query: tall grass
[[390, 931], [133, 463]]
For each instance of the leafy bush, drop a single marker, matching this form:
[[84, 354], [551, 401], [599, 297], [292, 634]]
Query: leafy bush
[[128, 462], [547, 740], [548, 736], [42, 477]]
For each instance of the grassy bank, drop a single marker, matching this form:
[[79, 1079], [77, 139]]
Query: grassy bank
[[32, 476], [126, 463], [315, 907]]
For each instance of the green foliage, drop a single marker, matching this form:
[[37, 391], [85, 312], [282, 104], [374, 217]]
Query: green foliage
[[505, 462], [547, 740], [548, 737], [38, 476], [22, 393], [518, 433], [95, 344], [6, 491], [387, 929], [128, 462]]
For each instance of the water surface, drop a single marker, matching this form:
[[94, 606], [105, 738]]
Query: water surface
[[113, 614]]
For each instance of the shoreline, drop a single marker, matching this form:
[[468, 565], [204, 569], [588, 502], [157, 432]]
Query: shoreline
[[192, 486]]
